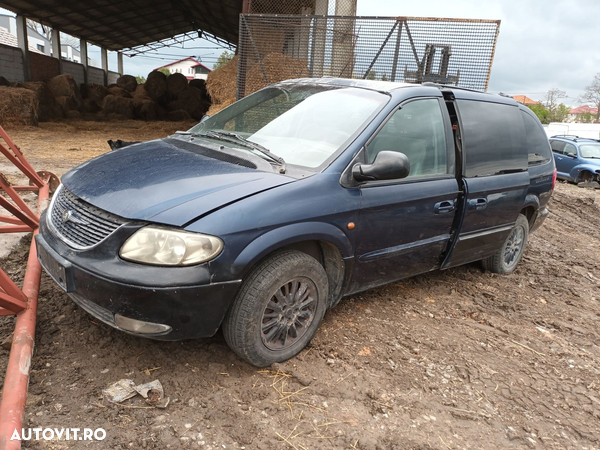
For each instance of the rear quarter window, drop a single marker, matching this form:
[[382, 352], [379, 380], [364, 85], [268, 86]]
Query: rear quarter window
[[538, 147], [493, 138]]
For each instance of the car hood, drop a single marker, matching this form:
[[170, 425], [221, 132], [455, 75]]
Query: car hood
[[160, 182]]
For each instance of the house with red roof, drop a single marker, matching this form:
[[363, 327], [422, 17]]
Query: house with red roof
[[190, 67], [525, 100], [577, 114]]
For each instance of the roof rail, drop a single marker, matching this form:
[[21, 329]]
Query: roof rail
[[565, 136]]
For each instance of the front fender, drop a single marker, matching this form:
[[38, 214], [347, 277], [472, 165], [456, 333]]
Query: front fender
[[584, 167], [286, 235]]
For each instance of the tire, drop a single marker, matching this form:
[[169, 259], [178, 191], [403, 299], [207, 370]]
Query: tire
[[271, 306], [507, 258]]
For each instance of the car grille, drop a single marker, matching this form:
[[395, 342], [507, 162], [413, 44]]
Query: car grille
[[80, 224]]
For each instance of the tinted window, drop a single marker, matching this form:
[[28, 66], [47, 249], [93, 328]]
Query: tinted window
[[493, 138], [557, 146], [537, 142], [417, 130]]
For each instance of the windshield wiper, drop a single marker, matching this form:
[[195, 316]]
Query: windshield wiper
[[236, 138]]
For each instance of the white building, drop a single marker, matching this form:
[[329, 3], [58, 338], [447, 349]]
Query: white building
[[189, 67], [38, 41]]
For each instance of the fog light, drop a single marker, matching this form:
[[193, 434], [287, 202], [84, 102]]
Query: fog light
[[139, 326]]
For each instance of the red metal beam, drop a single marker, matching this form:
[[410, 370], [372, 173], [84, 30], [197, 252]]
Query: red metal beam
[[11, 303], [15, 229], [9, 287], [22, 216], [16, 198], [14, 394], [10, 219]]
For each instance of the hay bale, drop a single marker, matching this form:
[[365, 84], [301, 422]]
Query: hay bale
[[179, 115], [66, 104], [215, 108], [4, 81], [176, 83], [48, 109], [119, 92], [118, 105], [174, 105], [193, 102], [221, 83], [278, 67], [94, 92], [18, 106], [141, 93], [145, 109], [127, 82], [199, 84], [90, 106], [74, 115], [65, 86], [156, 85]]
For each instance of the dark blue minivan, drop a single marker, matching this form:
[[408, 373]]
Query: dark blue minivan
[[265, 215]]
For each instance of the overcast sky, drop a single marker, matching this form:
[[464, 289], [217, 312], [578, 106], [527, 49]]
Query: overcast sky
[[543, 44]]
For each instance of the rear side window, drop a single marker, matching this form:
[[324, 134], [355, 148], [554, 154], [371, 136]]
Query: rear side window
[[538, 148], [557, 146], [493, 138]]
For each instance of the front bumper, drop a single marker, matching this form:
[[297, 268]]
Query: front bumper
[[191, 311]]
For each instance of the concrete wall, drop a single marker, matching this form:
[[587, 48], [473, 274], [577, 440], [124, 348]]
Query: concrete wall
[[11, 63], [95, 75], [43, 67], [74, 69], [112, 77]]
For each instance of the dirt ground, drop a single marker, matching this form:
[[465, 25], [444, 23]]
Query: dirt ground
[[458, 359]]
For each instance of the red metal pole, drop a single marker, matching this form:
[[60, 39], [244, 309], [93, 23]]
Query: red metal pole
[[14, 394]]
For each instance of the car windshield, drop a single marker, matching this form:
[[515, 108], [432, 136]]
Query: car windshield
[[305, 125], [590, 150]]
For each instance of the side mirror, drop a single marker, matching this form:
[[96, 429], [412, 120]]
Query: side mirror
[[388, 165]]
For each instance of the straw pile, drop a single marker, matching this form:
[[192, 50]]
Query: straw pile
[[221, 83], [18, 106], [127, 82]]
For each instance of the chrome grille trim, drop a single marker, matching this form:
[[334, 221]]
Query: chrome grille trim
[[88, 226]]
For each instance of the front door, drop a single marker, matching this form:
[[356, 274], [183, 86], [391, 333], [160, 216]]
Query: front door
[[404, 226]]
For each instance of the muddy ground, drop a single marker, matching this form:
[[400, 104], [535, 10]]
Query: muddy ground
[[456, 359]]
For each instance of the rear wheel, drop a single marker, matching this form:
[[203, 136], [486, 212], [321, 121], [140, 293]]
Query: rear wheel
[[507, 258], [278, 309]]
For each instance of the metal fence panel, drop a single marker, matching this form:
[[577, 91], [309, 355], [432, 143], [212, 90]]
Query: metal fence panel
[[403, 49]]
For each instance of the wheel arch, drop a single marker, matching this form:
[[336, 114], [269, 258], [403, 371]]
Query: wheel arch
[[577, 171], [324, 242], [530, 208]]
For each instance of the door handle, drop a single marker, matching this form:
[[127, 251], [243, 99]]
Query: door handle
[[478, 204], [444, 207]]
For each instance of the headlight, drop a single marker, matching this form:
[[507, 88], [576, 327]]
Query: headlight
[[164, 247]]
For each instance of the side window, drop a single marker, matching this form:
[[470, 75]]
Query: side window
[[570, 150], [417, 130], [493, 138], [557, 146], [537, 142]]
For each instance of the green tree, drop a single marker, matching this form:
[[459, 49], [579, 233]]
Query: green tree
[[591, 94], [223, 59], [166, 71], [140, 79], [560, 113], [541, 112], [371, 75], [586, 117], [551, 102], [384, 77]]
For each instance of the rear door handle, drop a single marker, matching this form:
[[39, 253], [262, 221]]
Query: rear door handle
[[478, 204], [444, 207]]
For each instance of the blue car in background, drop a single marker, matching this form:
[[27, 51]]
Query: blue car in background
[[577, 159]]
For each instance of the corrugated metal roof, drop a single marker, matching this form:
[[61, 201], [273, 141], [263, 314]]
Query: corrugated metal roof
[[118, 24]]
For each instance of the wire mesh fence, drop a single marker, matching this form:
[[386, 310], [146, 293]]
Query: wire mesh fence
[[273, 48]]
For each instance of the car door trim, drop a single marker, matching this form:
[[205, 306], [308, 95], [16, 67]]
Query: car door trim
[[400, 249], [477, 234]]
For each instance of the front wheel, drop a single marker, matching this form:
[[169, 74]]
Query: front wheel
[[506, 259], [278, 309]]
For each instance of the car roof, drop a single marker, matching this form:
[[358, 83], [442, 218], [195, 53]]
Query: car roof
[[391, 86], [573, 138]]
